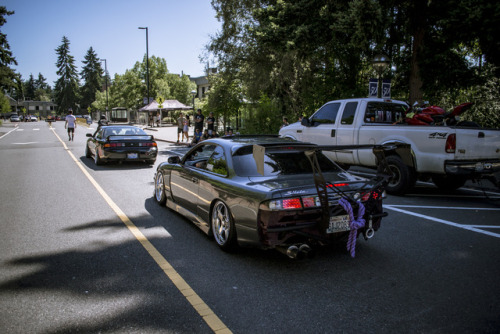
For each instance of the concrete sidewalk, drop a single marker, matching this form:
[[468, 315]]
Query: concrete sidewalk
[[168, 134]]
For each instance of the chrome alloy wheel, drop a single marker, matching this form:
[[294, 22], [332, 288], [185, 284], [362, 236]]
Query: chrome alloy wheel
[[159, 188], [223, 226]]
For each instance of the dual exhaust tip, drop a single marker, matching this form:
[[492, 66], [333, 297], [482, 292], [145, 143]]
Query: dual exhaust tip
[[299, 251]]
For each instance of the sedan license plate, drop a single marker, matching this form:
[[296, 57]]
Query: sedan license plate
[[338, 224], [132, 155]]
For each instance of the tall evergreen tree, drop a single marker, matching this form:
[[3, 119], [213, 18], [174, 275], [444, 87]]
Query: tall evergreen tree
[[66, 87], [91, 75], [43, 91], [30, 88], [7, 74]]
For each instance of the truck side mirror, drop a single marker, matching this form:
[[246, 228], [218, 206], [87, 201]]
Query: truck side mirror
[[305, 122]]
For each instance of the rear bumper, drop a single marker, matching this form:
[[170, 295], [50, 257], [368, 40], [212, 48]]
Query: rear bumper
[[129, 155], [471, 168]]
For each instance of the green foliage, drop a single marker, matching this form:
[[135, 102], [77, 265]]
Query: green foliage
[[92, 77], [7, 74], [262, 118], [4, 103], [66, 87], [303, 53]]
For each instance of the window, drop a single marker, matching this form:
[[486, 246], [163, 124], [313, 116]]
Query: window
[[217, 162], [349, 112], [326, 114], [384, 112], [200, 157], [279, 163]]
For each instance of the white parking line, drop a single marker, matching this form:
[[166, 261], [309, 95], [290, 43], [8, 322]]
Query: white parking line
[[442, 221], [441, 207]]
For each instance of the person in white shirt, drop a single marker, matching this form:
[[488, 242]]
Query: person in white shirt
[[70, 124]]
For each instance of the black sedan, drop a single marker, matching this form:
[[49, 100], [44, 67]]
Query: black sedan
[[274, 193], [121, 143]]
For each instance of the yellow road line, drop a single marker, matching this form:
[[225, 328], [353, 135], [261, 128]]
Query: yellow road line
[[198, 304]]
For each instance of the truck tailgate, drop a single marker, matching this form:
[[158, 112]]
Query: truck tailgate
[[477, 144]]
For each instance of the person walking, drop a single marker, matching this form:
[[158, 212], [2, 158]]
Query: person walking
[[70, 124], [180, 126]]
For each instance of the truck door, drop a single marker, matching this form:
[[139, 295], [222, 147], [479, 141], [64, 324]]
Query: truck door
[[323, 128], [347, 133]]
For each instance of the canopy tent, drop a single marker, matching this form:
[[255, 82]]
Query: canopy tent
[[166, 105], [153, 109]]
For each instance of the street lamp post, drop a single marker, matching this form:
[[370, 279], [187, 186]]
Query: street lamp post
[[106, 82], [380, 63], [193, 92], [147, 61]]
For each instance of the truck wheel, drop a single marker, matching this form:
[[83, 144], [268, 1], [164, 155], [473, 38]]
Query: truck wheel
[[403, 176], [448, 182]]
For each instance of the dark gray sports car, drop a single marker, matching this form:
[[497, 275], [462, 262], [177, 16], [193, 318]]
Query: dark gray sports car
[[121, 143], [270, 192]]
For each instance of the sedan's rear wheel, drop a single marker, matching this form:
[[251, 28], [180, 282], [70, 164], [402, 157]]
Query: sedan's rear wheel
[[97, 159], [223, 227], [160, 188], [88, 154]]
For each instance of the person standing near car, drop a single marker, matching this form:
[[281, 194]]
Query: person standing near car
[[180, 126], [210, 123], [70, 124], [198, 121]]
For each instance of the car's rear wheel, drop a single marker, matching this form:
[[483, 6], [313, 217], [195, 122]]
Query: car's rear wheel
[[88, 154], [97, 158], [160, 188], [223, 228], [151, 161]]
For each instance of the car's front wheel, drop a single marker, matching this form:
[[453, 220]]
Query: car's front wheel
[[160, 196], [223, 227], [403, 177]]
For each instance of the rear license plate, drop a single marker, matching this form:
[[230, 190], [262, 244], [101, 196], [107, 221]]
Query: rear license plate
[[338, 224], [132, 155]]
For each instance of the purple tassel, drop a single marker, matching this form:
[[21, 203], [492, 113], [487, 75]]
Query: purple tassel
[[353, 223]]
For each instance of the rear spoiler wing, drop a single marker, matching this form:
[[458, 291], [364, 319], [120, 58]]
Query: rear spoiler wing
[[134, 135], [380, 152]]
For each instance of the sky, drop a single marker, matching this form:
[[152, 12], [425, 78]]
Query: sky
[[178, 31]]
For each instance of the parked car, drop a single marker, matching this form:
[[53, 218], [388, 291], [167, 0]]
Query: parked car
[[276, 199], [14, 118], [33, 119], [121, 143]]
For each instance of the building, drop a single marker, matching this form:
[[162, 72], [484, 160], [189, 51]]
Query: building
[[36, 108], [202, 85]]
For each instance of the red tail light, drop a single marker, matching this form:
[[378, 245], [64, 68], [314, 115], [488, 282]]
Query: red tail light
[[451, 143], [293, 203]]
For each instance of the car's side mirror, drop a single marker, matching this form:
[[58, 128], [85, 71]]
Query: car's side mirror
[[174, 159], [89, 135], [305, 122]]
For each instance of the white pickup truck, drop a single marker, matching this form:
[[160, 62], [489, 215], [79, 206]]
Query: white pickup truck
[[449, 155]]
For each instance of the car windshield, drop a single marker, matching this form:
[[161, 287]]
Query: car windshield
[[280, 163]]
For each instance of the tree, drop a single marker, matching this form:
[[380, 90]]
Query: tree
[[7, 74], [43, 91], [66, 87], [91, 75], [30, 88], [4, 103]]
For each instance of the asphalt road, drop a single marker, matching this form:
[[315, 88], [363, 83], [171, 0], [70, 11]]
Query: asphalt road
[[69, 263]]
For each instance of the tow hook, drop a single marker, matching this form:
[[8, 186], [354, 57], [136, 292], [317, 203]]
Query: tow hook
[[369, 232]]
